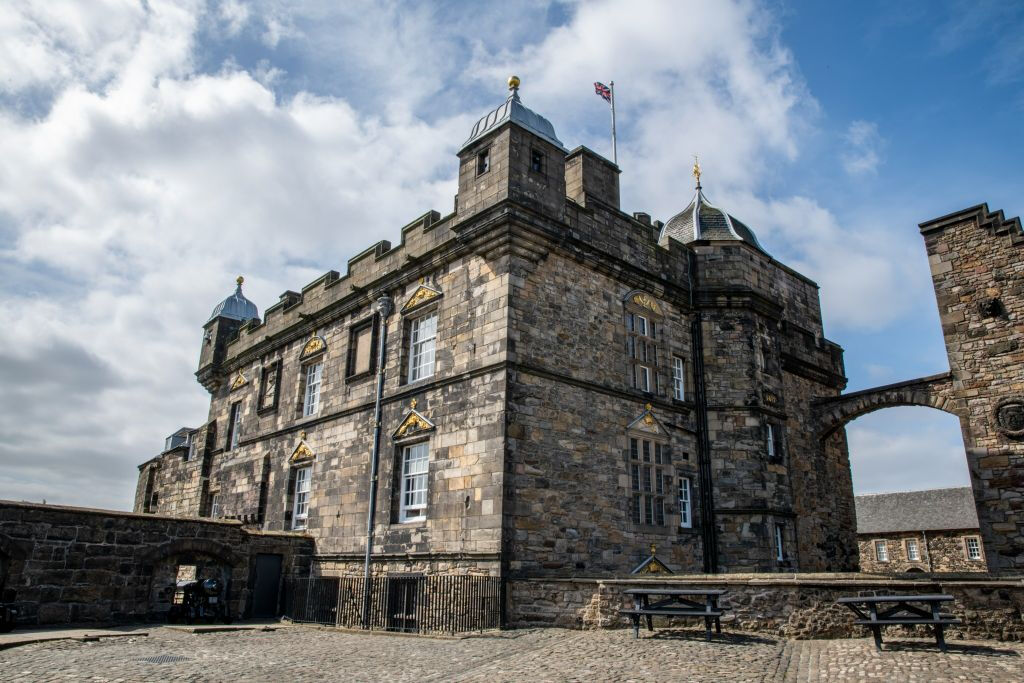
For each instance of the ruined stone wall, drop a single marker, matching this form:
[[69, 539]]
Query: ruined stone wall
[[177, 481], [939, 551], [977, 265], [70, 565], [791, 606]]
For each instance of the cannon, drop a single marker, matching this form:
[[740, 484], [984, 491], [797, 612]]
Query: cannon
[[199, 600], [8, 611]]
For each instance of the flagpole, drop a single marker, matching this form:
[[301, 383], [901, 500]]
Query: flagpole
[[615, 151]]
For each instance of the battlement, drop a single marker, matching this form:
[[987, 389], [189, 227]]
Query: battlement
[[994, 221]]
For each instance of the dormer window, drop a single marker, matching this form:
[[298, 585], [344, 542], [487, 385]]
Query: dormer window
[[483, 162]]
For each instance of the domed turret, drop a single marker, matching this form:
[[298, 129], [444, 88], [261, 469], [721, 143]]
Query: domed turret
[[515, 111], [236, 306], [701, 220]]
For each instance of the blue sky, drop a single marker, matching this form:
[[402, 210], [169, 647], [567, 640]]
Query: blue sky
[[150, 152]]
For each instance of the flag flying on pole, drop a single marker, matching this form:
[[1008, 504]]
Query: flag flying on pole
[[603, 90]]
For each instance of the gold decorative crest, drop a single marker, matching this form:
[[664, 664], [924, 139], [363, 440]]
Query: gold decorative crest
[[422, 295], [240, 381], [413, 424], [315, 345], [302, 452], [647, 301]]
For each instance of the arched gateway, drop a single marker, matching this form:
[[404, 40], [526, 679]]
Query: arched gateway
[[977, 264]]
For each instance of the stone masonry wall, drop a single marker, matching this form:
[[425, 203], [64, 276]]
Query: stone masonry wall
[[791, 606], [977, 265], [71, 565], [939, 551]]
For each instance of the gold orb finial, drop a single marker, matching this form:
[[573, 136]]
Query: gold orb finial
[[513, 82], [239, 280], [412, 404], [696, 169]]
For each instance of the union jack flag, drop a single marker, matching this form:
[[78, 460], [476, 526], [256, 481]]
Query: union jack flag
[[603, 90]]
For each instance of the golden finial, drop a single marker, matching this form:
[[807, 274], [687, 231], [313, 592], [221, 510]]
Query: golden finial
[[696, 170], [513, 82], [648, 407], [412, 404], [653, 548], [239, 280], [302, 435]]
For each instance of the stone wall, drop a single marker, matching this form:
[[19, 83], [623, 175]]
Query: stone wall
[[939, 551], [977, 265], [792, 606], [71, 565]]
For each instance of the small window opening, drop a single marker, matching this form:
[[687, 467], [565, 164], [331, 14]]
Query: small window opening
[[483, 162], [536, 161]]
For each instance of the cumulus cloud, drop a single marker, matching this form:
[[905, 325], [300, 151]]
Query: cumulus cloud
[[149, 152], [863, 148]]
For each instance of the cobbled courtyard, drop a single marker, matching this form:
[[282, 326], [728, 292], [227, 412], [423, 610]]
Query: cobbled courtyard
[[298, 653]]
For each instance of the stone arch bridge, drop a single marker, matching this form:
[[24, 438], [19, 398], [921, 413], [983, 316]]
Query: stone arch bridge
[[934, 391]]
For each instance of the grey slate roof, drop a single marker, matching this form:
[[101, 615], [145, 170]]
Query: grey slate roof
[[513, 110], [933, 510], [236, 307], [700, 220]]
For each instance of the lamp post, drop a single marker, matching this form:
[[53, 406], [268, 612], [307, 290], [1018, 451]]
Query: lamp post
[[383, 308]]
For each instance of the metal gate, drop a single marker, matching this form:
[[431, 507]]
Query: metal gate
[[404, 602]]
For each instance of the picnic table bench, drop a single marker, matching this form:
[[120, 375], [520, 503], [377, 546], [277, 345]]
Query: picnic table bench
[[674, 602], [901, 613]]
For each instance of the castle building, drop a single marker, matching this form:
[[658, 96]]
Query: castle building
[[920, 531], [562, 385]]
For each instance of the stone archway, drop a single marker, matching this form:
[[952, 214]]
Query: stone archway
[[935, 391], [208, 559]]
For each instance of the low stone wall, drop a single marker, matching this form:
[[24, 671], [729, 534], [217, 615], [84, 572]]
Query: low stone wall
[[789, 605], [79, 565]]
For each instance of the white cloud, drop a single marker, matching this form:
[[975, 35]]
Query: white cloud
[[146, 183], [863, 148]]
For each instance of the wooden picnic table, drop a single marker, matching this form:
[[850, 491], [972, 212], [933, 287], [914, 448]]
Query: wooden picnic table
[[674, 602], [900, 612]]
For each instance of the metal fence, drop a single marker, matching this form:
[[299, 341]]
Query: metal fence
[[411, 603]]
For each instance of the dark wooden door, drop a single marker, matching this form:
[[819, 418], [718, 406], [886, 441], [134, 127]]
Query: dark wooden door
[[266, 585]]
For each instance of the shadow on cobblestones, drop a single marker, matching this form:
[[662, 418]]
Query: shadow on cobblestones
[[954, 648], [695, 635]]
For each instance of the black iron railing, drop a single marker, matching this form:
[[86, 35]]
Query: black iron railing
[[405, 602]]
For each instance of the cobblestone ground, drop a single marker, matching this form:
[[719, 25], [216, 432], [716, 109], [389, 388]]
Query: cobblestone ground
[[310, 654]]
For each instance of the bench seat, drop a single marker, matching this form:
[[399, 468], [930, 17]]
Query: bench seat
[[671, 612], [902, 621]]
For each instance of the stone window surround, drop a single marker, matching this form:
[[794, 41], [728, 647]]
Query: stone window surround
[[780, 541], [685, 502], [774, 440], [234, 430], [271, 369], [398, 454], [406, 357], [967, 551], [537, 158], [652, 336], [291, 502], [917, 548], [304, 371], [666, 471], [884, 555], [354, 329], [483, 161]]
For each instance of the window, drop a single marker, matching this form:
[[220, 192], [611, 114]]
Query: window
[[780, 555], [154, 502], [361, 344], [311, 396], [483, 162], [422, 335], [269, 383], [190, 441], [643, 352], [214, 506], [234, 425], [648, 481], [685, 511], [536, 161], [913, 554], [773, 440], [413, 505], [881, 551], [300, 507], [678, 378], [973, 546]]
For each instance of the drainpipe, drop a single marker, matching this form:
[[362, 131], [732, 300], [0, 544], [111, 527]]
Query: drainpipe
[[928, 550], [708, 532], [383, 308]]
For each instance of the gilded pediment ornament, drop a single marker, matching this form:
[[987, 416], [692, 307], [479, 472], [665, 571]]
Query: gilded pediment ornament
[[648, 423], [413, 424], [239, 382], [646, 301], [302, 451], [315, 345], [422, 295]]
